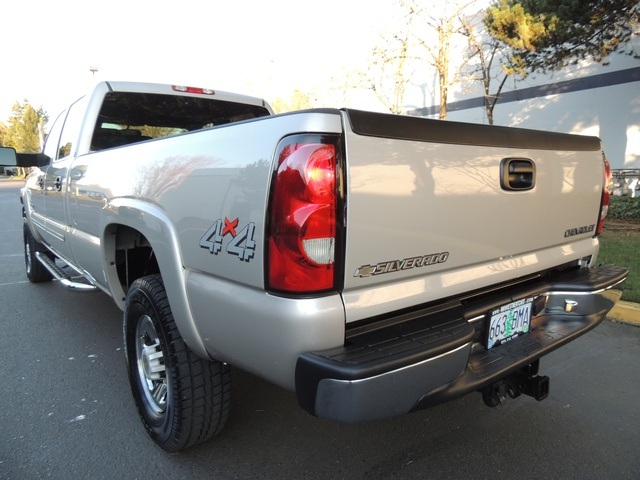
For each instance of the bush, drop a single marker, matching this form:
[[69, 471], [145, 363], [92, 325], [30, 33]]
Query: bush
[[625, 208]]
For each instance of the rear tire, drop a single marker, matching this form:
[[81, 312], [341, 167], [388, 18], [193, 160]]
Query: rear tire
[[182, 399], [36, 273]]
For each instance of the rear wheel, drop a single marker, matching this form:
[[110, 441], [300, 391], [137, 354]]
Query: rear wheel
[[182, 399], [36, 272]]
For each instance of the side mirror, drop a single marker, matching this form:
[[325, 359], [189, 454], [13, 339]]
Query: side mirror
[[9, 158]]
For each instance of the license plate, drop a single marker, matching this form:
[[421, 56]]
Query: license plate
[[508, 322]]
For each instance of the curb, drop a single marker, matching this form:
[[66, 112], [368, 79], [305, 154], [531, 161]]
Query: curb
[[624, 312]]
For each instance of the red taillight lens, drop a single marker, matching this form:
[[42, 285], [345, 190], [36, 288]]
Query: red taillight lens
[[302, 228], [607, 190]]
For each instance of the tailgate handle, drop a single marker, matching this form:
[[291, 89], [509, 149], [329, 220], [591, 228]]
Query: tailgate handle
[[517, 174]]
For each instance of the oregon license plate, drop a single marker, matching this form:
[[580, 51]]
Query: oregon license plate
[[508, 322]]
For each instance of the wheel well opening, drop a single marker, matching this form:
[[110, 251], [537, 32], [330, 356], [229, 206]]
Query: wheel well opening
[[134, 256]]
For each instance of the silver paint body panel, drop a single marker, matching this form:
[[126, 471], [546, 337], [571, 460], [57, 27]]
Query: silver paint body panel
[[403, 199]]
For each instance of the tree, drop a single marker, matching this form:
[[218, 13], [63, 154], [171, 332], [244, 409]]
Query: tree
[[547, 35], [435, 39], [387, 76], [25, 131], [299, 101], [484, 52], [424, 42]]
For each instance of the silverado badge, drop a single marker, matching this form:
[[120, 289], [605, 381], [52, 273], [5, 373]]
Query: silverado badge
[[399, 265]]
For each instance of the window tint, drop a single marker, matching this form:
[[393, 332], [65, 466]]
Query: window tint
[[129, 117], [71, 129], [51, 144]]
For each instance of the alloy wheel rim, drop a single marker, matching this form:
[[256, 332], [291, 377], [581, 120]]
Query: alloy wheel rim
[[27, 255], [151, 367]]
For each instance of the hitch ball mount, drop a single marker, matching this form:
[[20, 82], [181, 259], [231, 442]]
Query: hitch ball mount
[[525, 380]]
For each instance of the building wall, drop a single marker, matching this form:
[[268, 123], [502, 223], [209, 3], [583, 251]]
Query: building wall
[[588, 99]]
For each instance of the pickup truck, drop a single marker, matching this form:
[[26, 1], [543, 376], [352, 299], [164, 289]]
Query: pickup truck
[[375, 264]]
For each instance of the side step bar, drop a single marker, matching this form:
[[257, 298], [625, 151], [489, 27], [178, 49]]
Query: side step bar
[[61, 276]]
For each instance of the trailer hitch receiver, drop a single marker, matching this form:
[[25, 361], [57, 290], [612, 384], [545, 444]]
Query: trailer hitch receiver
[[525, 381]]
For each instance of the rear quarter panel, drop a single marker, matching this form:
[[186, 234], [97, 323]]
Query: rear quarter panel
[[197, 179], [174, 190]]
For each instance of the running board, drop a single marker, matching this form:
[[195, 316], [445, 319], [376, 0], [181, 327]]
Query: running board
[[61, 276]]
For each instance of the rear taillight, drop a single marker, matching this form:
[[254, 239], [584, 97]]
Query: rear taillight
[[607, 190], [303, 216]]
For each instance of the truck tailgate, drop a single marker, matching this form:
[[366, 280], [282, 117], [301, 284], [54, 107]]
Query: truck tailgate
[[435, 208]]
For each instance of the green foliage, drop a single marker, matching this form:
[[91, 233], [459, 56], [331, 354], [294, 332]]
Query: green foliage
[[299, 101], [620, 243], [516, 26], [546, 35], [625, 208], [622, 247], [157, 132], [511, 24], [25, 131]]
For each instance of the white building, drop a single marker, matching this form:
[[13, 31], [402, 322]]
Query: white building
[[589, 99]]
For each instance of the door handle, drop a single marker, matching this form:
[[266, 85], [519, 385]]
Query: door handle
[[517, 174], [58, 184]]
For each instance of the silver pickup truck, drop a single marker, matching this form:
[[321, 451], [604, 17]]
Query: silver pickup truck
[[374, 264]]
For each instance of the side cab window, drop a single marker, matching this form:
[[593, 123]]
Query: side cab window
[[71, 130], [53, 138]]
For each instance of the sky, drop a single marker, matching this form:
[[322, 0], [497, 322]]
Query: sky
[[261, 48]]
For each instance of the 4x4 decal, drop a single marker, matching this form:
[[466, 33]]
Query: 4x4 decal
[[242, 243]]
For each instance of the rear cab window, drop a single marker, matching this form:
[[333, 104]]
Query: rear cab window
[[130, 117]]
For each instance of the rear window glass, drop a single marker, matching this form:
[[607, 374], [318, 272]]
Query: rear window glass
[[127, 117]]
